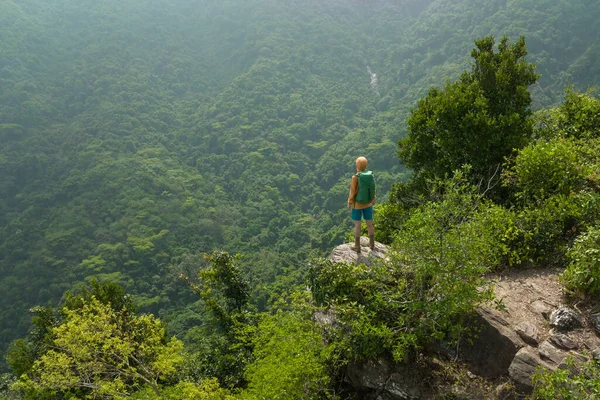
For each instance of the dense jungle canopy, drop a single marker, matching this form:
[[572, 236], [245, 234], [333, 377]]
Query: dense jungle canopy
[[136, 135]]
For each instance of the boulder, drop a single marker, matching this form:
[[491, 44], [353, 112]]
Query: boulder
[[523, 367], [565, 319], [492, 351], [345, 253], [550, 353], [400, 388], [542, 308], [561, 341], [529, 333], [369, 374], [595, 321]]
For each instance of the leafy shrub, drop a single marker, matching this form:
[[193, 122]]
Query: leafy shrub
[[574, 383], [583, 271], [100, 352], [578, 117], [366, 299], [543, 230], [547, 168], [289, 358], [433, 279], [207, 389]]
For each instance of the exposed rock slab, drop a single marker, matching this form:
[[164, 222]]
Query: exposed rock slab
[[551, 354], [345, 253], [399, 388], [369, 374], [523, 367], [529, 333], [561, 341], [490, 354], [524, 296], [595, 320]]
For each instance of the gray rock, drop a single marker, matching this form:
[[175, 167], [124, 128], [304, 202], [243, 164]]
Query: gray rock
[[565, 319], [344, 253], [491, 352], [325, 318], [550, 353], [561, 341], [369, 374], [523, 367], [541, 307], [595, 320], [400, 389], [529, 333], [596, 354]]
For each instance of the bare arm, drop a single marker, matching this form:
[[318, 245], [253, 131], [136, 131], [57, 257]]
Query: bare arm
[[353, 190]]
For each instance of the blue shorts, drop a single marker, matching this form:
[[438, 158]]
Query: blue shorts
[[366, 213]]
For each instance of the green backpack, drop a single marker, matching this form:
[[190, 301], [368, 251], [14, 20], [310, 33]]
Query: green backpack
[[366, 187]]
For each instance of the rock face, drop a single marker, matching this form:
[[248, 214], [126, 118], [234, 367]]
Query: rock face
[[490, 353], [380, 378], [530, 329], [527, 328], [564, 319], [344, 253], [523, 367], [383, 379], [529, 333]]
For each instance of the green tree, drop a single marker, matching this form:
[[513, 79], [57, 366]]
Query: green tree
[[216, 348], [289, 358], [478, 120], [104, 353]]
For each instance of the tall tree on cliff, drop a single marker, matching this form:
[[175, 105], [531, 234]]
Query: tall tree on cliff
[[478, 120]]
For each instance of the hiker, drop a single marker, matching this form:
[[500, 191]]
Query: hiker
[[361, 201]]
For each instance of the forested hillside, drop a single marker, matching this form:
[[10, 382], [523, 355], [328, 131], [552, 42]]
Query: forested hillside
[[137, 135]]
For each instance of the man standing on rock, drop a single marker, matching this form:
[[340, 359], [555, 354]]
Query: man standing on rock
[[361, 200]]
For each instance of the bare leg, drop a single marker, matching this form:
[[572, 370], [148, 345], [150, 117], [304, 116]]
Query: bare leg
[[357, 236], [357, 229], [371, 230], [370, 227]]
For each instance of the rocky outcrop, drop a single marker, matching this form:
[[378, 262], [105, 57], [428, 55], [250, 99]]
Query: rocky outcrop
[[523, 366], [345, 253], [383, 380], [527, 327], [378, 379]]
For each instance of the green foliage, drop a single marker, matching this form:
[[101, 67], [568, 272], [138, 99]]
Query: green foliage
[[98, 351], [289, 359], [477, 120], [6, 391], [583, 271], [217, 349], [554, 182], [579, 381], [433, 280], [108, 293], [577, 117], [136, 135], [542, 231], [227, 125], [23, 352], [207, 389], [543, 169]]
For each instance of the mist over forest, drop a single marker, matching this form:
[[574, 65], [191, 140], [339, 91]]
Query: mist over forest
[[137, 136]]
